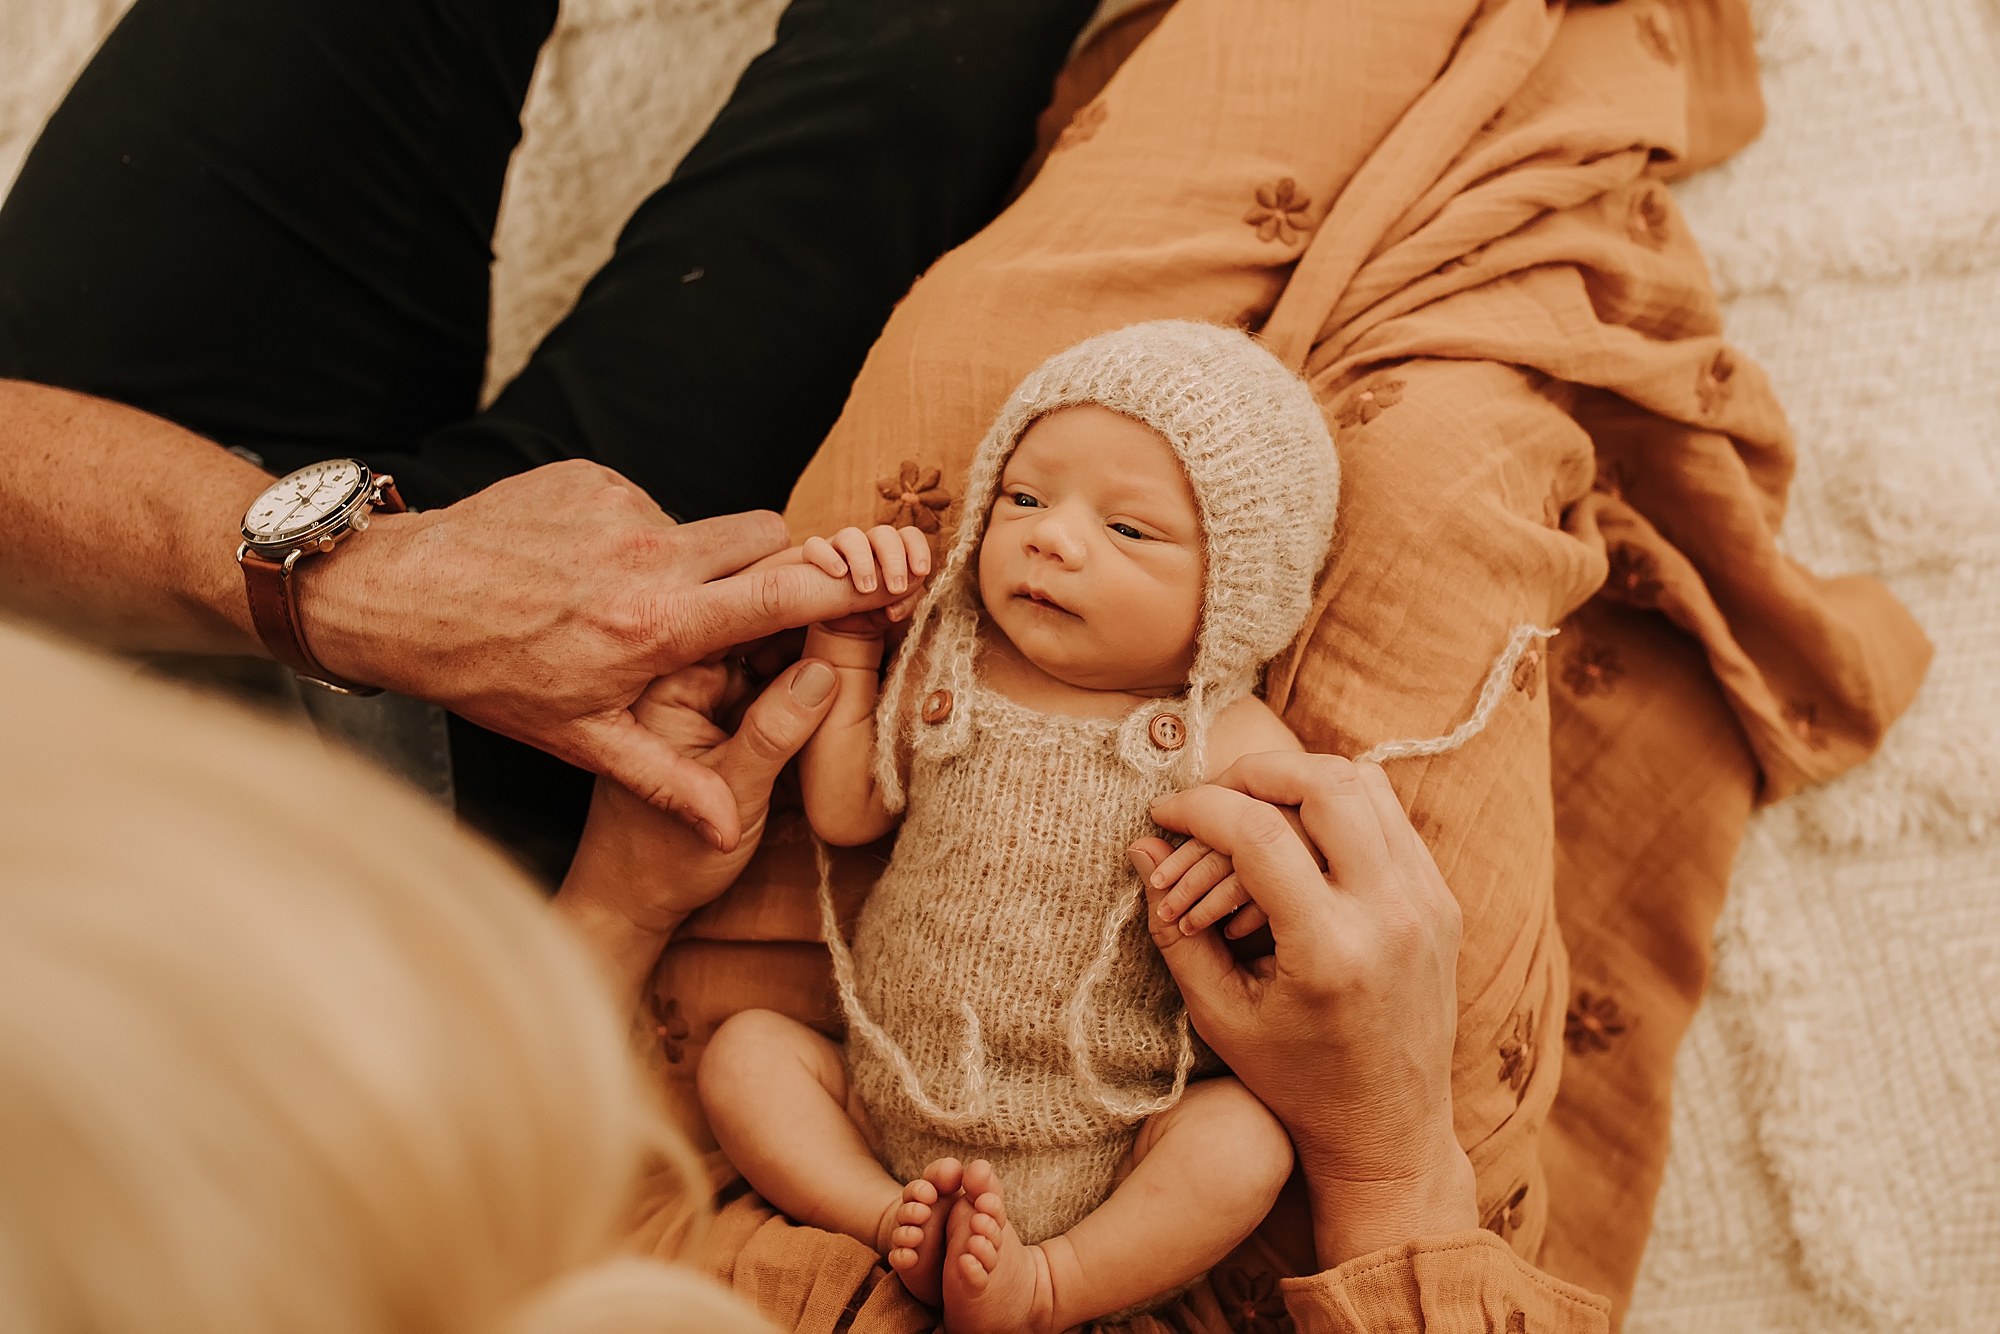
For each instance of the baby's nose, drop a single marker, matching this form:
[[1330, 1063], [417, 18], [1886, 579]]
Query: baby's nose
[[1056, 537]]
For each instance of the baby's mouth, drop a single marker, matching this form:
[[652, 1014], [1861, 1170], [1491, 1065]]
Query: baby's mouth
[[1037, 598]]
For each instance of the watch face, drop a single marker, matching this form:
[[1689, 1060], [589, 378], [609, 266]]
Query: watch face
[[298, 503]]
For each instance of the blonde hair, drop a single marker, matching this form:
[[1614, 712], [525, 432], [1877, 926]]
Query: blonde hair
[[280, 1049]]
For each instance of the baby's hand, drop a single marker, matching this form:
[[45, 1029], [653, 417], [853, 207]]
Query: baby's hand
[[895, 556], [1207, 892]]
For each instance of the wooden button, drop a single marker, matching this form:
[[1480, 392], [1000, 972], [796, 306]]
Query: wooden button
[[1168, 732], [937, 706]]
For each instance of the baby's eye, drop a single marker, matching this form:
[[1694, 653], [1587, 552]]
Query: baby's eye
[[1127, 530], [1024, 500]]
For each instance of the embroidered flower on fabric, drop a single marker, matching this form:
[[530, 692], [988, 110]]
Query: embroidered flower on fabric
[[1082, 126], [671, 1029], [1711, 385], [1507, 1215], [913, 498], [1650, 220], [1593, 669], [1634, 577], [1802, 716], [1592, 1023], [1367, 405], [1251, 1301], [1280, 212], [1517, 1052], [1656, 34], [1528, 673]]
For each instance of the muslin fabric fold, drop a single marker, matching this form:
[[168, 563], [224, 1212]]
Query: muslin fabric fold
[[1450, 216]]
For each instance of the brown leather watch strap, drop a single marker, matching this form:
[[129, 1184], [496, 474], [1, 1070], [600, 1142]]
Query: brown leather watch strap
[[392, 499], [274, 610]]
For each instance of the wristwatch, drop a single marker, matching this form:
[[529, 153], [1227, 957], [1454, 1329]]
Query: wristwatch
[[302, 514]]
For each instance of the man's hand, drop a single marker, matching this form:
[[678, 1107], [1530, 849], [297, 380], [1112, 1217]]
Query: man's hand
[[638, 874], [1346, 1031], [544, 606]]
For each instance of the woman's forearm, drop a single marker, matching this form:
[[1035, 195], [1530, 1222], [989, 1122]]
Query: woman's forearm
[[119, 526], [626, 951], [1356, 1218]]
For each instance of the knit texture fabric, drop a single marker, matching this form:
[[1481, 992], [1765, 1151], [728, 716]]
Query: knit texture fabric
[[1009, 870], [1266, 482], [1003, 997]]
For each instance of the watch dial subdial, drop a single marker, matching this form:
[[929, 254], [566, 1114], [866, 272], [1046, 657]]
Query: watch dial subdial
[[300, 501]]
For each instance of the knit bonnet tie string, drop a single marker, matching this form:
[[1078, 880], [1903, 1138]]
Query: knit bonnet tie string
[[972, 1061], [1126, 1106], [1498, 678]]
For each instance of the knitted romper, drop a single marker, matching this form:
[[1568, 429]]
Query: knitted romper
[[1003, 997], [1008, 874]]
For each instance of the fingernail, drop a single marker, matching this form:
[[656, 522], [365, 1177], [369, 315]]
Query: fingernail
[[813, 684], [708, 834], [897, 585]]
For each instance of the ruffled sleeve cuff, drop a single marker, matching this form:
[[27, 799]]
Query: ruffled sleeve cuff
[[1458, 1283]]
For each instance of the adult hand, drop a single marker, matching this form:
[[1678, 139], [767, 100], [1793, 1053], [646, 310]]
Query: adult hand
[[637, 874], [1345, 1031], [543, 607]]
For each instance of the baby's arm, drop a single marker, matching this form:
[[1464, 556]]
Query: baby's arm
[[1207, 890], [836, 768]]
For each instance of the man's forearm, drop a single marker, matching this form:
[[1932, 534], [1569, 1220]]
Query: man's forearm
[[119, 526]]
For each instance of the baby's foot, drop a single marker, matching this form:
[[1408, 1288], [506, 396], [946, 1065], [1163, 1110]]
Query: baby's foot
[[912, 1231], [992, 1283]]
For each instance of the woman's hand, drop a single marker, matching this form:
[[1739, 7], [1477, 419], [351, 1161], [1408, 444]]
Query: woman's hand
[[639, 873], [1346, 1031]]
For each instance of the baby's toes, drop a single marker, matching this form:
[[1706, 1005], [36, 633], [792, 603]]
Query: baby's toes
[[945, 1175], [975, 1271], [984, 1249]]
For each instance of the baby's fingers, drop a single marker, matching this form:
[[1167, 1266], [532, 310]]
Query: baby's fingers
[[1247, 919], [1195, 882], [819, 552], [1221, 901], [1178, 862], [892, 556], [853, 544], [919, 548]]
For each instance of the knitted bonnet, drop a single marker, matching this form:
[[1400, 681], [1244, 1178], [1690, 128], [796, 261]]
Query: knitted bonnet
[[1265, 479]]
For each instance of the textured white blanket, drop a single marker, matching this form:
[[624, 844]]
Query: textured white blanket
[[1836, 1159]]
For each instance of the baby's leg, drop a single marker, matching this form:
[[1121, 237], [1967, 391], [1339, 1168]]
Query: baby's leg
[[1203, 1176], [777, 1098]]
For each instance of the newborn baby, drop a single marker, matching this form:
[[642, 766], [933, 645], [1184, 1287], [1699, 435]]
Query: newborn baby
[[1022, 1121]]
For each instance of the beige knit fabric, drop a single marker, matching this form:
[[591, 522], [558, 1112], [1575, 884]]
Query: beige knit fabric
[[1008, 872], [1266, 483], [1003, 997]]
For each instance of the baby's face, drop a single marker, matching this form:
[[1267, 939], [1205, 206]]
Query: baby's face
[[1092, 562]]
